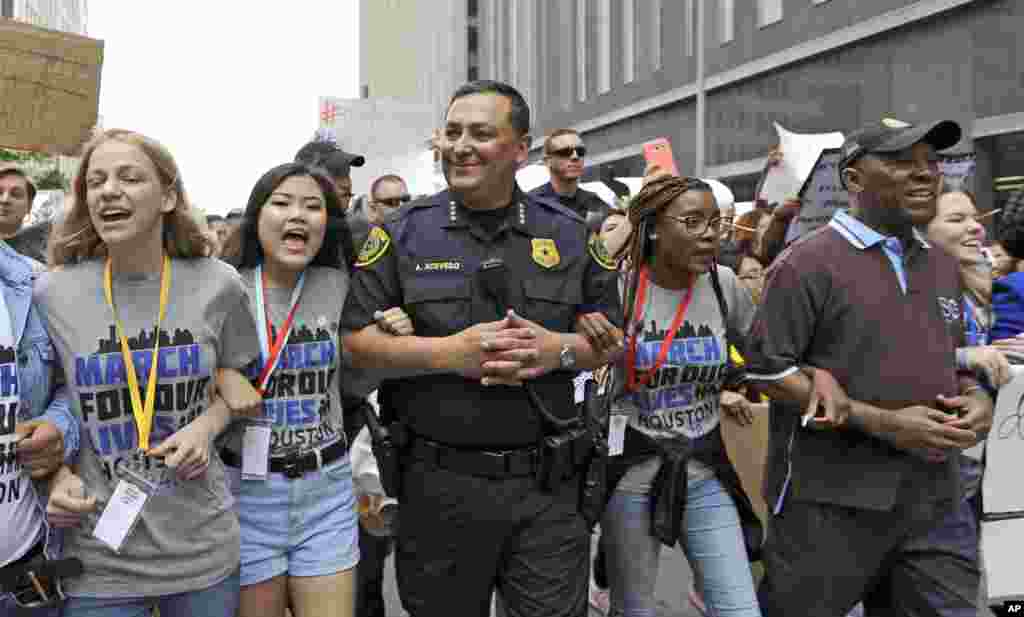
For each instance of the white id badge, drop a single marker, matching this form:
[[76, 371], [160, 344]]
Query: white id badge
[[121, 514], [256, 449], [617, 433]]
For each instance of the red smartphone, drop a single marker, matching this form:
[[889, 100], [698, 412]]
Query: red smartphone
[[659, 152]]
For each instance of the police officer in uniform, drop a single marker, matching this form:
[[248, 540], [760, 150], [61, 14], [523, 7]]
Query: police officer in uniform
[[479, 510]]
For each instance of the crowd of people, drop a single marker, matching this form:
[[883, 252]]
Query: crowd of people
[[181, 393]]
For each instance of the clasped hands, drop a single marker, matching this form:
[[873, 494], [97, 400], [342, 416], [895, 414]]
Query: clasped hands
[[504, 352]]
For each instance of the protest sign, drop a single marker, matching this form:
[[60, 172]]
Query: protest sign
[[1001, 556], [49, 88], [1004, 455], [1002, 528], [800, 152], [956, 170], [821, 195]]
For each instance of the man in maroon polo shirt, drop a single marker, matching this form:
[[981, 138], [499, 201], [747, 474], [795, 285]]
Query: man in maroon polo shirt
[[869, 301]]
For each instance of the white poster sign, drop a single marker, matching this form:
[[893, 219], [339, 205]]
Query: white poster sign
[[1002, 490], [800, 152], [822, 195], [1001, 542]]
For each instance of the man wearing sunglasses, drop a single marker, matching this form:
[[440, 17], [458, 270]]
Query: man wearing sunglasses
[[563, 155], [387, 194]]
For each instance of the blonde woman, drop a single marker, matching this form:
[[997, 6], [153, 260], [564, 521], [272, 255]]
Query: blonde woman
[[141, 321]]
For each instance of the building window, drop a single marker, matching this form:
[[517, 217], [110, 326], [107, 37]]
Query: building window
[[7, 9], [689, 26], [581, 50], [726, 21], [628, 41], [655, 33], [472, 40], [604, 45], [768, 12]]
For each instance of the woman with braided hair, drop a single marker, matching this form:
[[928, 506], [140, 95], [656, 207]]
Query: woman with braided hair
[[679, 307]]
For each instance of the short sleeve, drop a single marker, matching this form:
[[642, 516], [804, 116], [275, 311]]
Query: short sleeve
[[782, 327], [374, 284], [741, 304], [238, 344], [600, 283], [1008, 307]]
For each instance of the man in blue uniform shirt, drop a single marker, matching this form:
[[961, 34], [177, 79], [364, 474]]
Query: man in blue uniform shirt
[[474, 516]]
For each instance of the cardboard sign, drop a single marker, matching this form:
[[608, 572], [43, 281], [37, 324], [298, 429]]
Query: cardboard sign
[[1004, 454], [800, 152], [822, 195], [49, 88]]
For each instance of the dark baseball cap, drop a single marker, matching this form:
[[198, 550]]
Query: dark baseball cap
[[889, 135], [328, 155]]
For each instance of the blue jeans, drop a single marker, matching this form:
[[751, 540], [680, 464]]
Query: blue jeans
[[714, 547], [221, 600]]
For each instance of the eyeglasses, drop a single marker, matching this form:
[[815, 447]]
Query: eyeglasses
[[698, 225], [581, 151], [393, 202]]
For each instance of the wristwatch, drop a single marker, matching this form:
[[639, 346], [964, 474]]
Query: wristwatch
[[567, 359]]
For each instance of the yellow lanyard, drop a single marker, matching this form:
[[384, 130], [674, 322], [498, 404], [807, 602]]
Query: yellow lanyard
[[143, 414]]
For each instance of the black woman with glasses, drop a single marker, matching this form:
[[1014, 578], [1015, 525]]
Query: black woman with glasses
[[563, 155], [682, 310]]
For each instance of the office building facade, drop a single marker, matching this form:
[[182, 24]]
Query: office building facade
[[713, 75]]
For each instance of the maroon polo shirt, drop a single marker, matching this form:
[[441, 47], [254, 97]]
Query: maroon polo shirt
[[840, 307]]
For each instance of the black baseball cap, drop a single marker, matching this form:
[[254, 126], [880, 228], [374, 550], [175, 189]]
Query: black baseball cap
[[328, 155], [889, 135]]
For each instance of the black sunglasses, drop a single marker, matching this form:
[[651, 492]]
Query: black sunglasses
[[394, 202], [581, 151]]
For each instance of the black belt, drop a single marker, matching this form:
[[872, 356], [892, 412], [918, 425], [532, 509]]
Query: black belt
[[488, 463], [32, 553], [293, 466]]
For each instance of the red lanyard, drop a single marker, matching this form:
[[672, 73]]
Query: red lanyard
[[633, 381], [275, 347]]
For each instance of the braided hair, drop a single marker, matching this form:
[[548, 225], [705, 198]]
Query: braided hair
[[1011, 225], [655, 196]]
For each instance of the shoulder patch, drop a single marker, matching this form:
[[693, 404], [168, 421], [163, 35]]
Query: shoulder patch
[[600, 253], [376, 245]]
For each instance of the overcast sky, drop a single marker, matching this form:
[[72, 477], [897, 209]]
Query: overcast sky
[[229, 87]]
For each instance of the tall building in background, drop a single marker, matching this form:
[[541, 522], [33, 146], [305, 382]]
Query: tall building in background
[[712, 75], [413, 54]]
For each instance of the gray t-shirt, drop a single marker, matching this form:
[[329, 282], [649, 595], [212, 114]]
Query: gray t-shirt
[[301, 396], [682, 399], [187, 537]]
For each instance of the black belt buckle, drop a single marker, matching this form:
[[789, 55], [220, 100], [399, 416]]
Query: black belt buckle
[[291, 465]]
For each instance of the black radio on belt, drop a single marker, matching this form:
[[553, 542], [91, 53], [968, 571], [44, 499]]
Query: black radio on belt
[[387, 444], [561, 457]]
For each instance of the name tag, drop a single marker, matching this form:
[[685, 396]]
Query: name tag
[[256, 451], [617, 433], [121, 514]]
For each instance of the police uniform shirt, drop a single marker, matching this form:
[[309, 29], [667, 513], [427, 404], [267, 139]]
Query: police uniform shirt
[[426, 260], [582, 202]]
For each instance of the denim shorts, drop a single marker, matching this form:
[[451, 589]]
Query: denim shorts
[[300, 527]]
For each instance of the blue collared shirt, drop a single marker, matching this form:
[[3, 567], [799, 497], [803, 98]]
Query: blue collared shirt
[[863, 237]]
